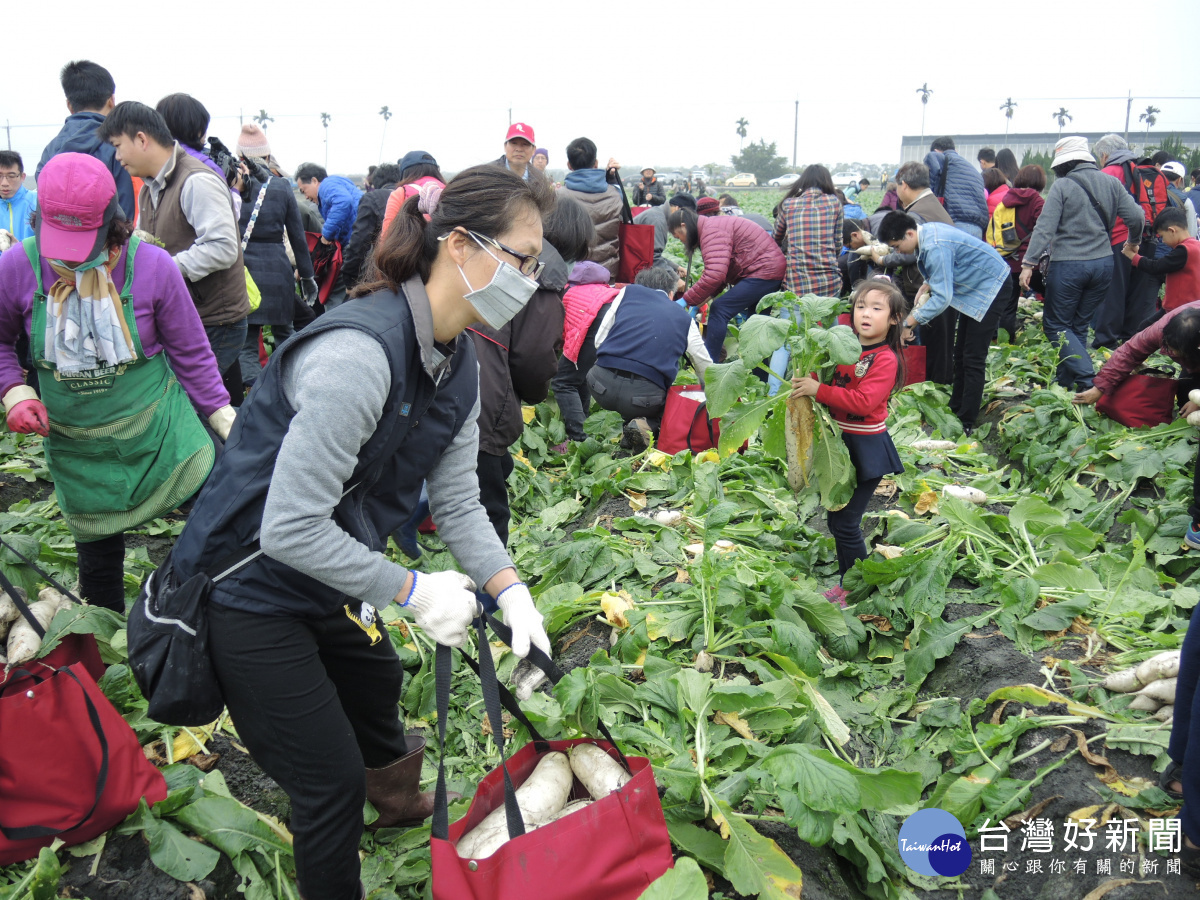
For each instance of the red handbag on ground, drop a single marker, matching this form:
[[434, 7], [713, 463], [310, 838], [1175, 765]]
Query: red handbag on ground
[[327, 263], [914, 364], [610, 850], [685, 422], [635, 244], [1140, 400]]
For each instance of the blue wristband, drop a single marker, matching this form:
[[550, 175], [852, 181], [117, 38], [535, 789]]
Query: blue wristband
[[513, 585], [411, 589]]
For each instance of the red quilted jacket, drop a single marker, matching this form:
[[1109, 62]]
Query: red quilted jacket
[[734, 248]]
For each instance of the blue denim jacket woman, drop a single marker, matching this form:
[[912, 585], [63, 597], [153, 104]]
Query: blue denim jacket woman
[[961, 271]]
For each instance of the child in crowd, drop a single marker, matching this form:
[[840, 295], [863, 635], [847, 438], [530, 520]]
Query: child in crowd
[[858, 399], [1181, 265]]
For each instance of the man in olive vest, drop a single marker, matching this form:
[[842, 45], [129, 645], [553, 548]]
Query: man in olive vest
[[187, 208]]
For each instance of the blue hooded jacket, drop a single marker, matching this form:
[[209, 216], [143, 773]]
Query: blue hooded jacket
[[966, 200], [14, 213], [78, 135], [338, 199]]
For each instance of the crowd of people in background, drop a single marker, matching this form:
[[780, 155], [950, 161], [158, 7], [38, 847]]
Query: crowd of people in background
[[333, 362]]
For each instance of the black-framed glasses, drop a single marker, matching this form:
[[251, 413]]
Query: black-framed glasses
[[529, 265]]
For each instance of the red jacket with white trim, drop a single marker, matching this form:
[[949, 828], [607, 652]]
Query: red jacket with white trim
[[858, 396]]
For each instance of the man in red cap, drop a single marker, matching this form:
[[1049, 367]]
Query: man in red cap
[[518, 149]]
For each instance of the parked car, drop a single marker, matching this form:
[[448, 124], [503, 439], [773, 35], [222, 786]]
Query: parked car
[[845, 179], [670, 179], [784, 180], [699, 174], [742, 179]]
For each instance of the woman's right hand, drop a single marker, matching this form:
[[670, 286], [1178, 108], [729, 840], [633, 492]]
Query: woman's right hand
[[1088, 397], [443, 605], [1026, 277]]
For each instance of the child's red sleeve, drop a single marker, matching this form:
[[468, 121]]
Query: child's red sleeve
[[869, 394]]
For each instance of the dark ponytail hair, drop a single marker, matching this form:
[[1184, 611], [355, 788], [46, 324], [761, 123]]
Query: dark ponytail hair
[[1182, 336], [486, 199], [688, 219]]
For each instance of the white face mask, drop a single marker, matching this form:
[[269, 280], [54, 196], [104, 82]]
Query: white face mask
[[502, 297]]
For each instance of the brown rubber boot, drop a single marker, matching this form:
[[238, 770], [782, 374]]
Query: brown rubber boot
[[395, 790]]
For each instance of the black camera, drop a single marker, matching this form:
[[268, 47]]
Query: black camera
[[224, 158]]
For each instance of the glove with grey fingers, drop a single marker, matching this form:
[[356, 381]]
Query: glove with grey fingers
[[523, 618], [222, 421], [308, 291], [443, 605]]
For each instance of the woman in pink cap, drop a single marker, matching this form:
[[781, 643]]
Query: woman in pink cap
[[124, 364]]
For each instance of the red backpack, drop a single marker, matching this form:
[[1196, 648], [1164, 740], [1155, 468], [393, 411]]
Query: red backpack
[[1149, 188]]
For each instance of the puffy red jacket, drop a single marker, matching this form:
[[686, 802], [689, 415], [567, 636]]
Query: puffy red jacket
[[734, 248]]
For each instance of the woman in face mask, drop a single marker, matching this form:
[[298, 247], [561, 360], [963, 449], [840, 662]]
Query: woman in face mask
[[327, 459], [125, 367]]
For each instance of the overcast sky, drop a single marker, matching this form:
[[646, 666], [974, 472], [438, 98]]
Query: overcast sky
[[653, 83]]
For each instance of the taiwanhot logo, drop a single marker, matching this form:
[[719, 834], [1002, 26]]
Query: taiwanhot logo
[[933, 842]]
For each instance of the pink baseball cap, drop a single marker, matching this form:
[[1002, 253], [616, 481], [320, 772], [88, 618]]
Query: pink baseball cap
[[77, 199], [520, 130]]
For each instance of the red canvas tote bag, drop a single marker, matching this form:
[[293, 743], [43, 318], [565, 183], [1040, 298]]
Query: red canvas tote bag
[[1140, 400], [611, 850], [635, 244], [685, 422], [327, 263]]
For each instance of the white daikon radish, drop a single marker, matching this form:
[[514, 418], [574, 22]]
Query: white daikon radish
[[933, 445], [962, 492], [1163, 691], [1194, 395], [1144, 704], [704, 661], [573, 806], [8, 612], [23, 641], [543, 794], [1123, 682], [597, 771], [1156, 668], [1166, 713]]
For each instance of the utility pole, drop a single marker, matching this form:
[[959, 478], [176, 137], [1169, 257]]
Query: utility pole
[[241, 119], [8, 131], [796, 134], [1128, 109], [510, 117]]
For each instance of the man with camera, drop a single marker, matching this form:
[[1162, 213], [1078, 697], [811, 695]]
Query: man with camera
[[186, 207]]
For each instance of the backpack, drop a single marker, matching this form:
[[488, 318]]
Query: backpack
[[1004, 233], [1149, 188]]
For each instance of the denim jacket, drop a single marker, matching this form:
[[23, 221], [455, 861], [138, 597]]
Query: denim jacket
[[962, 272]]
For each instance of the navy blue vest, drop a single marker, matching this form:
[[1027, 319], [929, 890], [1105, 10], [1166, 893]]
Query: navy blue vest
[[420, 420], [648, 336]]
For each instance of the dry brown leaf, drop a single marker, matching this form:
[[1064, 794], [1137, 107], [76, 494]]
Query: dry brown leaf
[[1084, 812], [505, 718], [637, 500], [887, 489], [195, 892], [1097, 892], [887, 551], [906, 646], [156, 752], [883, 623], [682, 577], [204, 761], [996, 716], [927, 502], [1061, 744], [736, 722], [1109, 774], [1022, 817], [615, 606]]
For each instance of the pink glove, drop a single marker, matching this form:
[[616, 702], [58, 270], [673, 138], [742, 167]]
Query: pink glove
[[29, 417]]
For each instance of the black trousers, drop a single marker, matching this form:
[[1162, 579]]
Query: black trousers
[[570, 382], [938, 337], [102, 572], [315, 702], [846, 526], [1008, 297], [970, 360], [628, 394], [1131, 299], [493, 474]]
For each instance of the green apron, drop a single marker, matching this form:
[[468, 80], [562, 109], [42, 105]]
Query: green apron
[[125, 443]]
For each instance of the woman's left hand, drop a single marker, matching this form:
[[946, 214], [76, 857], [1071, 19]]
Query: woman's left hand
[[523, 618], [805, 386]]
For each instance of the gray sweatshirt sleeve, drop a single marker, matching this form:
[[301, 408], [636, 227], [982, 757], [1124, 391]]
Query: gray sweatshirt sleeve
[[207, 208], [337, 382], [461, 521]]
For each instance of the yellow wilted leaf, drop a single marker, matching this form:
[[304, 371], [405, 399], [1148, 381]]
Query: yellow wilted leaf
[[1086, 812], [190, 741], [926, 502], [1130, 787], [722, 823], [637, 500], [682, 577], [736, 722], [615, 606], [658, 458], [528, 413], [887, 551], [641, 660], [520, 457], [708, 456], [655, 629]]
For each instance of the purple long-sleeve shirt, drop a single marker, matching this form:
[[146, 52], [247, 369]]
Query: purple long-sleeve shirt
[[166, 320]]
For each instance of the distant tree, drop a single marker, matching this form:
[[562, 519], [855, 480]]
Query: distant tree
[[1150, 116], [741, 131], [924, 90], [262, 119], [1008, 106], [387, 114], [1042, 159], [761, 159], [1063, 118]]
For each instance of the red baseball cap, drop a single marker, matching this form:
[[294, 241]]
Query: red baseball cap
[[520, 130], [77, 199]]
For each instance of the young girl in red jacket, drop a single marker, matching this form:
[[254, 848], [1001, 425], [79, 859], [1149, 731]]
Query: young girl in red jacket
[[858, 399]]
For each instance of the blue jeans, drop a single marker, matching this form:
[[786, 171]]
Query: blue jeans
[[1075, 288], [226, 342], [248, 358], [973, 230], [1185, 737], [743, 297]]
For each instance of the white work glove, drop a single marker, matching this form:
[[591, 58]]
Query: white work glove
[[222, 420], [443, 605], [523, 618]]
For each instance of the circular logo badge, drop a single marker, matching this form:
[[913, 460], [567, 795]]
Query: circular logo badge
[[933, 842]]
